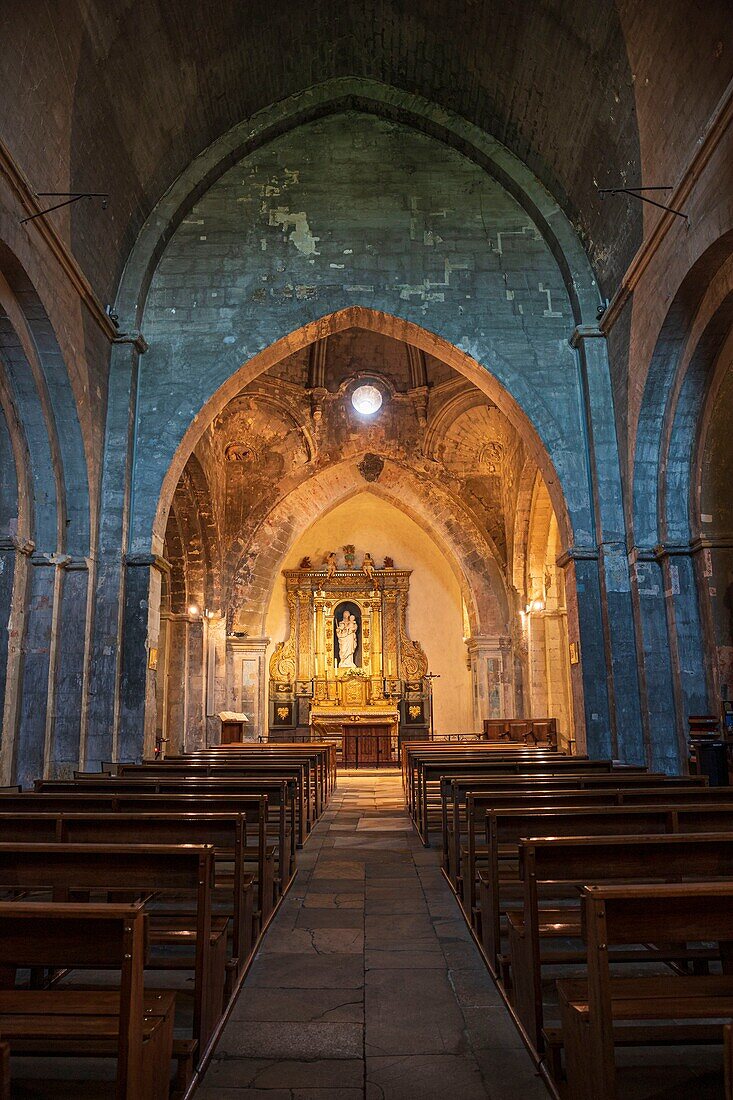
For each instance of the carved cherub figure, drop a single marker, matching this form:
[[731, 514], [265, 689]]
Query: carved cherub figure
[[367, 566], [330, 563]]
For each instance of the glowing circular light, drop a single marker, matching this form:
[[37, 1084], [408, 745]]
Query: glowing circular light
[[367, 400]]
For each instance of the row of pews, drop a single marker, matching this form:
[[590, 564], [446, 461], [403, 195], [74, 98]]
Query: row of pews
[[600, 895], [132, 902]]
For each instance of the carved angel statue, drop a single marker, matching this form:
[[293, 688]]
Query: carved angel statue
[[367, 566], [330, 564]]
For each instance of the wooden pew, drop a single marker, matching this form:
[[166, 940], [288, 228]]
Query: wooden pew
[[149, 871], [306, 795], [563, 864], [321, 756], [498, 882], [429, 770], [280, 806], [254, 809], [728, 1060], [431, 775], [466, 799], [4, 1071], [226, 833], [130, 1023], [461, 847], [413, 751], [414, 757], [280, 791], [603, 1009]]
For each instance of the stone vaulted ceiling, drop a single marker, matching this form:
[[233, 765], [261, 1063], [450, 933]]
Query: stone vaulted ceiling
[[120, 95]]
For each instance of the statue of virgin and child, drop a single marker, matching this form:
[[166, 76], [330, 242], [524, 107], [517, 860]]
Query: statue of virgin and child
[[347, 636]]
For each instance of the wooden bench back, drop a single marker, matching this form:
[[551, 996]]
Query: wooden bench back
[[144, 869], [467, 815], [509, 826], [583, 859], [640, 914], [666, 913], [45, 934]]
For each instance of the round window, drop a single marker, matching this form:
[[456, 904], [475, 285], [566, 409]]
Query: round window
[[367, 399]]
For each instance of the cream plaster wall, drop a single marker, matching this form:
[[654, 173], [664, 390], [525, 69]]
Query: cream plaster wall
[[435, 613]]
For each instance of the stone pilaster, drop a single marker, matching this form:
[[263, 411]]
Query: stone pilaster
[[249, 667], [622, 710], [14, 568], [37, 684], [74, 623], [588, 676], [138, 682], [177, 684]]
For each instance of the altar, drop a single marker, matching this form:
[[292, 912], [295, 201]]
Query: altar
[[367, 736], [349, 672]]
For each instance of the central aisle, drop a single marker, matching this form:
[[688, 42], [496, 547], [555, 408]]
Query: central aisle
[[368, 983]]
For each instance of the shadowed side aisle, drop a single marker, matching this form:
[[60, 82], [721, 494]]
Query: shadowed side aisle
[[368, 984]]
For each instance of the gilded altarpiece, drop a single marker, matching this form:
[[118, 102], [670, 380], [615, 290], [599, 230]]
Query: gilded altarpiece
[[348, 656]]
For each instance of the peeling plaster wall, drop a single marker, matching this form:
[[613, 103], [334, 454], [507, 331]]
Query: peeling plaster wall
[[404, 225], [435, 615], [401, 225]]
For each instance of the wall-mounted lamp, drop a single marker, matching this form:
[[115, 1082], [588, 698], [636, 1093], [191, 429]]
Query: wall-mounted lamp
[[538, 605], [193, 609]]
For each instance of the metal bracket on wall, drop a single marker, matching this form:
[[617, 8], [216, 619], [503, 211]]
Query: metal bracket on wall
[[69, 197], [637, 193]]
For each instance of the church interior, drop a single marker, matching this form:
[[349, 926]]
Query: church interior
[[366, 550]]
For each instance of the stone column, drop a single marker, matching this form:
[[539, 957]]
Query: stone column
[[177, 684], [37, 684], [690, 677], [74, 625], [217, 675], [109, 603], [652, 641], [559, 704], [195, 684], [506, 648], [138, 682], [607, 583], [13, 588], [589, 675], [537, 663], [161, 685]]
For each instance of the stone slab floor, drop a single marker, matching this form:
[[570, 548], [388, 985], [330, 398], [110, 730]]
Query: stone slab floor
[[368, 983]]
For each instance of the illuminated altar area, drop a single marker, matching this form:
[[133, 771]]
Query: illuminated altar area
[[348, 669]]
